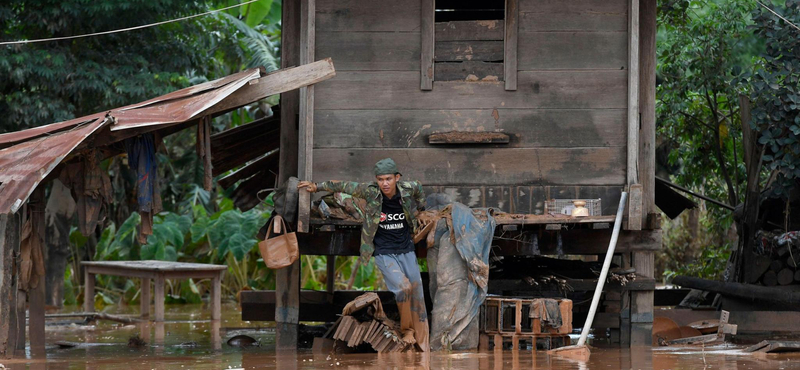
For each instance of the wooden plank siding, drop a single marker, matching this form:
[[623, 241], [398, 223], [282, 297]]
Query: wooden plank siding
[[368, 16], [528, 128], [567, 120], [585, 15], [536, 89], [572, 50], [480, 166], [370, 51]]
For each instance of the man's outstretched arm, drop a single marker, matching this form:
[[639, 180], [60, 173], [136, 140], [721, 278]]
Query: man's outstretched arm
[[353, 188]]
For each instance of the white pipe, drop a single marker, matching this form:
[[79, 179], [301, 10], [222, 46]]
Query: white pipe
[[606, 264]]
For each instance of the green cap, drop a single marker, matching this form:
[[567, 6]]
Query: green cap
[[386, 166]]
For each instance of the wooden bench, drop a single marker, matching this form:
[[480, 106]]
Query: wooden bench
[[158, 271]]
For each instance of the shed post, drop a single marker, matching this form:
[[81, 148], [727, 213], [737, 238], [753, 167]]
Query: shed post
[[287, 284], [36, 295], [9, 248], [305, 161], [642, 301], [21, 300], [634, 210], [647, 110]]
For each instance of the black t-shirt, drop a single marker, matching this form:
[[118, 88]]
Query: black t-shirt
[[393, 235]]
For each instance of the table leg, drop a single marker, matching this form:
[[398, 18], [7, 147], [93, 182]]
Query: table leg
[[158, 298], [88, 290], [144, 298], [216, 297]]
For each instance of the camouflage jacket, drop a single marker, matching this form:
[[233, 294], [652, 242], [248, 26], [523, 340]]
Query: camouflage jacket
[[410, 192]]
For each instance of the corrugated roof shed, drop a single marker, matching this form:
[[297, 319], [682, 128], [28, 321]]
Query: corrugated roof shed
[[28, 157]]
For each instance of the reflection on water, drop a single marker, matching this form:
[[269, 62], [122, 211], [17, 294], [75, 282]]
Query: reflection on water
[[189, 341]]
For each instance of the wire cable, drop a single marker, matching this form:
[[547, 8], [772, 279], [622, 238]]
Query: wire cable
[[778, 15], [125, 29]]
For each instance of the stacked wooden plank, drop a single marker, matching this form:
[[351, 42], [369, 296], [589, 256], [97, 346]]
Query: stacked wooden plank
[[381, 337]]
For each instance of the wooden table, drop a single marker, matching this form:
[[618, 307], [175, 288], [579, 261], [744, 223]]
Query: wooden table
[[160, 271]]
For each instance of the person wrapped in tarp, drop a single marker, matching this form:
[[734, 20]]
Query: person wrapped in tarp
[[458, 267]]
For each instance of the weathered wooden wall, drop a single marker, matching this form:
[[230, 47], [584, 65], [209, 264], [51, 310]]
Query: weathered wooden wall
[[567, 118]]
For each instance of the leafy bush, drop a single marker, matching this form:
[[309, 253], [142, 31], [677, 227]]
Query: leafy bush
[[775, 93]]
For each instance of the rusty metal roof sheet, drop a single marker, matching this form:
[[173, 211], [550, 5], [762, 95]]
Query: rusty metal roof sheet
[[169, 108], [181, 105], [24, 166], [28, 157]]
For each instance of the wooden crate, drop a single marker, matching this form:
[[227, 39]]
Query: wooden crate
[[502, 315]]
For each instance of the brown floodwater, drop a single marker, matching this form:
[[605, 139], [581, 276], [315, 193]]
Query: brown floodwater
[[189, 341]]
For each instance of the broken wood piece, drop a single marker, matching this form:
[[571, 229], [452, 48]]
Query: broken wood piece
[[335, 325], [756, 346], [706, 326], [465, 137], [758, 265], [774, 346], [703, 339]]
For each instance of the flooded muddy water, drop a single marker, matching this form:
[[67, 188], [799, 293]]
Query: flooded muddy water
[[188, 340]]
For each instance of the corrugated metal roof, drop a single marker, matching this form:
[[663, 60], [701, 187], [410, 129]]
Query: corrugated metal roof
[[181, 105], [29, 156], [24, 166]]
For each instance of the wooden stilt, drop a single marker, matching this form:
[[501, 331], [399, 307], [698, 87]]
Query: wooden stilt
[[642, 302], [88, 291], [216, 290], [144, 298], [158, 298]]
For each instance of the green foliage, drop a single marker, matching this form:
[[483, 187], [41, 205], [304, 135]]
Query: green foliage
[[168, 237], [228, 232], [701, 44], [709, 265], [694, 241], [775, 93], [117, 244], [54, 81]]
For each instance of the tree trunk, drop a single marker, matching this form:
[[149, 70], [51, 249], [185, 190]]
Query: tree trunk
[[58, 214]]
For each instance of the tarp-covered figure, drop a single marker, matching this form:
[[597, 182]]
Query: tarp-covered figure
[[458, 263]]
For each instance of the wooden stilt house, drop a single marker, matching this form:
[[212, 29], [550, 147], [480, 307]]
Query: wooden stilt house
[[505, 104]]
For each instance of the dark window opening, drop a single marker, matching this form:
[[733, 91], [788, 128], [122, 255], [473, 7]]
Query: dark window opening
[[469, 10], [469, 40]]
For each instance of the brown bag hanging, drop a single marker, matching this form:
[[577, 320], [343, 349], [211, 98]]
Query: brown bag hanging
[[279, 251]]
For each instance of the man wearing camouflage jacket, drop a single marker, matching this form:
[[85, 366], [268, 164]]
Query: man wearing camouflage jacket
[[389, 225]]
